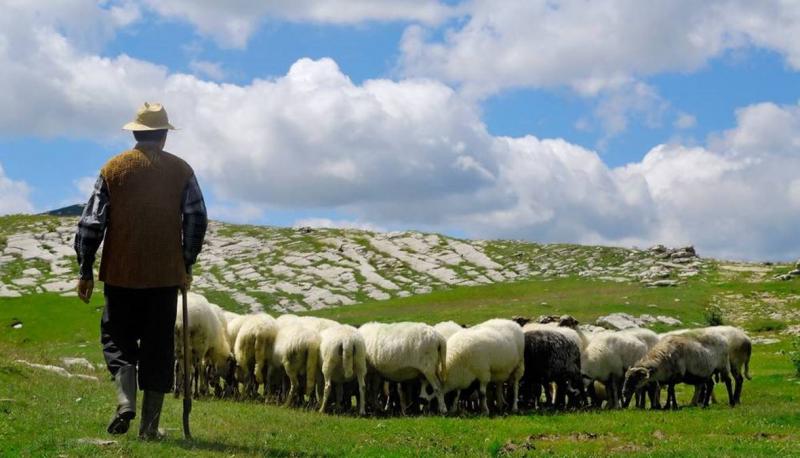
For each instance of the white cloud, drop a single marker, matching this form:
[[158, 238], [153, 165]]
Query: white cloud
[[212, 70], [232, 22], [684, 121], [591, 46], [14, 195], [414, 153], [85, 185], [337, 224]]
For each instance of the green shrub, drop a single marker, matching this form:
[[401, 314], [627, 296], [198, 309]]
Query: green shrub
[[766, 325], [714, 315]]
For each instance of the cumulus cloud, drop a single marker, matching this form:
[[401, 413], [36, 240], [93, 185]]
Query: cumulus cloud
[[415, 153], [594, 45], [212, 70], [14, 195], [599, 48], [231, 23]]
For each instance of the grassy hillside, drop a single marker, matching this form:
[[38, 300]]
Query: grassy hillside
[[46, 414]]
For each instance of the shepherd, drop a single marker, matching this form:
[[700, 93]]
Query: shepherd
[[148, 210]]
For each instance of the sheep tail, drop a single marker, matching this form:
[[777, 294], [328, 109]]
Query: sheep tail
[[442, 369], [747, 361], [348, 349]]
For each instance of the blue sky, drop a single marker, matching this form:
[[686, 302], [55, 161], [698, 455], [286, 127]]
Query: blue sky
[[617, 127]]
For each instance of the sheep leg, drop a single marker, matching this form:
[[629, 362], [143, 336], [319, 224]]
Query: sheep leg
[[340, 397], [482, 395], [361, 395], [326, 394], [729, 388], [737, 395], [561, 394], [672, 401], [498, 394], [402, 395], [438, 390], [709, 390], [611, 390], [653, 392], [294, 381]]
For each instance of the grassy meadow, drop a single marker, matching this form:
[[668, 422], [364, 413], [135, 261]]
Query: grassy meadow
[[43, 414]]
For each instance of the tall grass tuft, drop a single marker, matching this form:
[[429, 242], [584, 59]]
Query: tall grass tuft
[[714, 315]]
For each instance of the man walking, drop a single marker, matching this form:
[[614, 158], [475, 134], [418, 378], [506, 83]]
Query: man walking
[[148, 208]]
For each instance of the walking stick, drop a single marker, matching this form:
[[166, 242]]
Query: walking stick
[[187, 392]]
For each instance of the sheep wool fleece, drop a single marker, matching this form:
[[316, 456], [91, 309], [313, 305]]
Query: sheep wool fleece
[[143, 241]]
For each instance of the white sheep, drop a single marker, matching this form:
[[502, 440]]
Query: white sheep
[[447, 328], [402, 352], [514, 332], [606, 359], [253, 350], [296, 353], [343, 355], [674, 359], [484, 354], [210, 353], [740, 348]]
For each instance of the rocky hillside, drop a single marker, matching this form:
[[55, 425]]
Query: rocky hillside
[[282, 269]]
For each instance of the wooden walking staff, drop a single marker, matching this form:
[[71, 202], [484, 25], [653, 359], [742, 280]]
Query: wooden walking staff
[[187, 393]]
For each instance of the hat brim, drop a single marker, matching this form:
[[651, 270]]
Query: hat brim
[[135, 126]]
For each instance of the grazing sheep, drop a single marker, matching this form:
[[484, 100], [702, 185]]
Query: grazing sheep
[[210, 353], [552, 357], [606, 359], [253, 350], [512, 331], [485, 354], [447, 328], [344, 357], [674, 359], [740, 348], [739, 352], [296, 352], [403, 352]]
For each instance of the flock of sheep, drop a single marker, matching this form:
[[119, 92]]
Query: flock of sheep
[[408, 367]]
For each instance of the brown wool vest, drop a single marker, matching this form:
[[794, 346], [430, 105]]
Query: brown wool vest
[[143, 241]]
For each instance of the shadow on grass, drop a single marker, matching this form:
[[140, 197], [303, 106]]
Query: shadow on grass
[[218, 446]]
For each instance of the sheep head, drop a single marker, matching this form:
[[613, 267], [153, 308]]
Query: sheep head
[[636, 378]]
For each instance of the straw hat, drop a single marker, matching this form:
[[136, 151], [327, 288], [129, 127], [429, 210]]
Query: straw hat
[[151, 116]]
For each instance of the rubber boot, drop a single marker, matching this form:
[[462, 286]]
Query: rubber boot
[[125, 381], [151, 414]]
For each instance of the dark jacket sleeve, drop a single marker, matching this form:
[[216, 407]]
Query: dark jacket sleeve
[[92, 228], [195, 222]]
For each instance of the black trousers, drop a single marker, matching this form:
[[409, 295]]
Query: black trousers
[[138, 327]]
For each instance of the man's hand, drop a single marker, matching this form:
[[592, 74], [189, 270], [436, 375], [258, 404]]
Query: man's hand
[[85, 288], [187, 283]]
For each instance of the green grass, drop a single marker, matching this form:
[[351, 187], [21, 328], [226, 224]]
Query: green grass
[[45, 415], [584, 299]]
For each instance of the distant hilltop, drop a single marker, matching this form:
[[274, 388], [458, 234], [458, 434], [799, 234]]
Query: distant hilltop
[[72, 210]]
